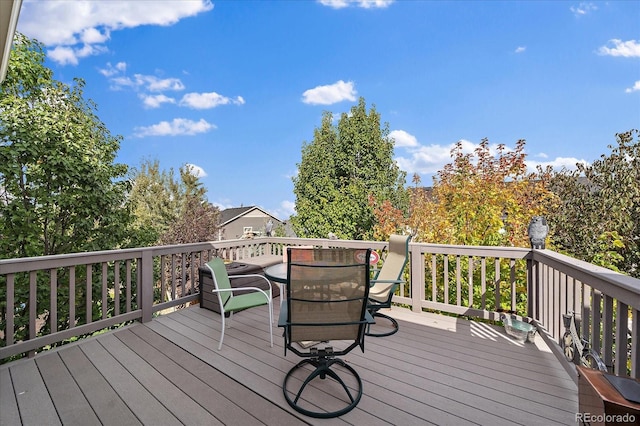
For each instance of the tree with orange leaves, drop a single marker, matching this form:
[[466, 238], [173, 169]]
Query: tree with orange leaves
[[481, 198]]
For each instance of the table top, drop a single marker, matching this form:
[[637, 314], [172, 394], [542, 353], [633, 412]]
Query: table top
[[277, 273], [605, 390]]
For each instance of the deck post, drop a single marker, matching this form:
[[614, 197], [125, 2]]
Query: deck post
[[417, 278], [146, 282]]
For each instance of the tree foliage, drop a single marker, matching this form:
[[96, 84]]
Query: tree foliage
[[340, 170], [484, 198], [60, 189], [169, 210], [480, 198], [599, 218]]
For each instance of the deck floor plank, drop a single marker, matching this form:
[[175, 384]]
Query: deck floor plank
[[9, 413], [105, 401], [172, 398], [435, 370], [34, 401], [226, 396], [141, 401], [70, 402]]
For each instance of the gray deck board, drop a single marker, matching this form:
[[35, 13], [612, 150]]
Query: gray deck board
[[71, 404], [34, 402], [9, 413], [106, 404], [435, 370]]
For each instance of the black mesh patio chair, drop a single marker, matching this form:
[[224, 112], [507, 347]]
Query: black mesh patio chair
[[325, 317], [387, 280]]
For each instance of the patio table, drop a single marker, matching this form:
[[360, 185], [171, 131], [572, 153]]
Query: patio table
[[278, 274]]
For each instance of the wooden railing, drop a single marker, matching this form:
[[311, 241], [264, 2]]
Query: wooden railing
[[115, 287]]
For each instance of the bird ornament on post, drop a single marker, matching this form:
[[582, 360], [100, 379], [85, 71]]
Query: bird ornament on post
[[538, 231]]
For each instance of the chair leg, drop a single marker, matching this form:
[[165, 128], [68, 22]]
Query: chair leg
[[394, 324], [322, 370], [222, 332], [271, 321]]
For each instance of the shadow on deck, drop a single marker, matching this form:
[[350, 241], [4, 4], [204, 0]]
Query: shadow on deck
[[435, 370]]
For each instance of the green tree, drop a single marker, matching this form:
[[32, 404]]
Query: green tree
[[164, 206], [480, 198], [599, 218], [340, 170], [60, 189]]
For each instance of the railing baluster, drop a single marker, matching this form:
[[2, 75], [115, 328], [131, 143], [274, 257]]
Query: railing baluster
[[105, 300], [128, 284], [446, 278], [496, 267], [621, 338], [635, 343], [512, 279], [116, 287], [53, 300], [89, 296], [483, 283], [458, 282], [606, 349], [470, 278], [9, 331], [72, 296], [163, 278]]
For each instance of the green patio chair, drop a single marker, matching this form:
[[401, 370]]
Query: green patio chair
[[324, 317], [387, 280], [230, 302]]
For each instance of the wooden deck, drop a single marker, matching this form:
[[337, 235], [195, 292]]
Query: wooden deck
[[435, 370]]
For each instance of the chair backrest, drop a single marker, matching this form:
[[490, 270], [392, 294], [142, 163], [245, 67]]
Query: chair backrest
[[327, 291], [220, 279], [394, 263]]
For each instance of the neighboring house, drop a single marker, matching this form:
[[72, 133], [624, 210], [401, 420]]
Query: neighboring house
[[246, 222]]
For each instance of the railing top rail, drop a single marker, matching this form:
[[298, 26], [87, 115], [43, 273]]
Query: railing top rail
[[614, 284], [25, 264], [482, 251]]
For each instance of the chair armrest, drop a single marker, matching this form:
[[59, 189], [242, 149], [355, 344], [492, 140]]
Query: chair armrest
[[251, 275], [256, 289], [388, 281], [369, 318], [282, 319]]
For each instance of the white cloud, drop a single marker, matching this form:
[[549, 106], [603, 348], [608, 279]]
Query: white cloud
[[520, 49], [208, 100], [627, 49], [63, 56], [559, 163], [179, 126], [112, 70], [634, 88], [428, 160], [197, 171], [425, 160], [149, 83], [155, 101], [74, 29], [330, 94], [155, 84], [583, 8], [366, 4], [287, 208], [403, 139]]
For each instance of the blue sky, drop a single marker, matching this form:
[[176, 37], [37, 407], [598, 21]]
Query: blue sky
[[234, 88]]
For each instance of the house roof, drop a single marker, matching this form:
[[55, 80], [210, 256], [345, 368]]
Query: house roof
[[229, 215], [9, 12]]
